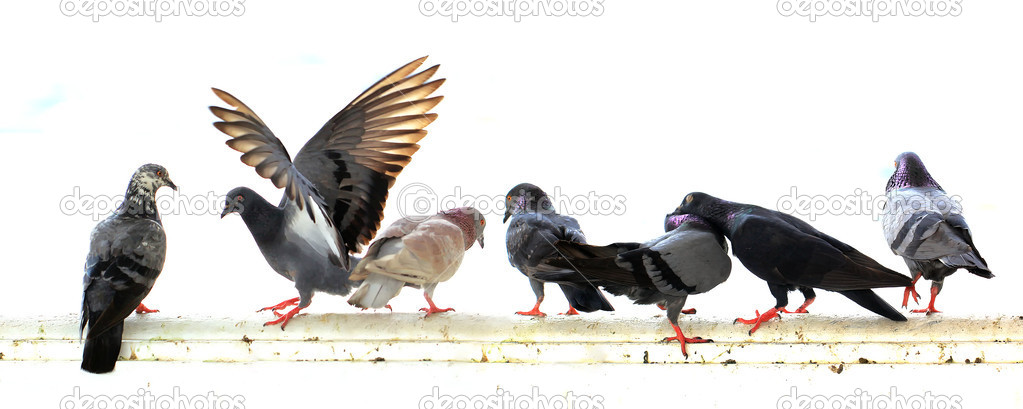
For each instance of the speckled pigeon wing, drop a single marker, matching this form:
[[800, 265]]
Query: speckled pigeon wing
[[125, 258]]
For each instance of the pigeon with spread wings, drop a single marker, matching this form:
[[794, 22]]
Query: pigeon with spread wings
[[336, 187]]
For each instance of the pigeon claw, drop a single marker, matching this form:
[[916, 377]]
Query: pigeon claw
[[801, 309], [911, 291], [142, 309], [571, 311], [760, 318], [433, 307], [689, 311], [533, 312], [280, 306], [681, 338], [283, 319], [930, 306]]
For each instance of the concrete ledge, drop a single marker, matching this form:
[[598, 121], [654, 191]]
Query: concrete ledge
[[459, 337]]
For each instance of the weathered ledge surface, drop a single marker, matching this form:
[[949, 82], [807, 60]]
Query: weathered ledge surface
[[460, 337]]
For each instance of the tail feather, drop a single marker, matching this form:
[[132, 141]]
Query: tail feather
[[375, 291], [871, 301], [101, 350], [586, 299], [972, 262]]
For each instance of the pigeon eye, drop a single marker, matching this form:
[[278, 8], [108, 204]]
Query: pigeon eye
[[482, 222], [239, 198], [159, 173], [689, 199]]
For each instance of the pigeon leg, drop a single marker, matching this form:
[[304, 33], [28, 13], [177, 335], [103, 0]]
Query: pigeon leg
[[141, 309], [801, 309], [911, 290], [761, 318], [433, 307], [536, 309], [280, 306], [683, 340], [284, 318], [571, 311], [930, 306]]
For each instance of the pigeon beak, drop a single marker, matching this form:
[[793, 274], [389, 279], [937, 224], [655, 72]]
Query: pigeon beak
[[480, 240], [228, 209], [171, 184], [507, 214]]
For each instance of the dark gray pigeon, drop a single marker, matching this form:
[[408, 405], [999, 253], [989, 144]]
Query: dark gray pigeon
[[126, 254], [926, 227], [335, 188], [788, 253], [690, 259], [534, 227]]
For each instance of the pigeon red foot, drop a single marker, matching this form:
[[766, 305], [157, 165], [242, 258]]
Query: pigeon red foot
[[802, 308], [283, 319], [761, 318], [911, 290], [280, 306], [141, 309], [535, 311], [687, 311], [433, 307], [571, 311], [683, 340], [930, 306]]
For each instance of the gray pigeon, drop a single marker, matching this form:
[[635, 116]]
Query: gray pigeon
[[420, 252], [926, 227], [690, 259], [126, 254], [335, 188], [534, 228]]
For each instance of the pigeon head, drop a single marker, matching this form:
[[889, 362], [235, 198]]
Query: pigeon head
[[471, 222], [910, 172], [140, 198], [710, 209], [236, 201], [672, 222], [151, 177], [526, 198]]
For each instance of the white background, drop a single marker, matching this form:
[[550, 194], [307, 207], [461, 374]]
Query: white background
[[648, 101]]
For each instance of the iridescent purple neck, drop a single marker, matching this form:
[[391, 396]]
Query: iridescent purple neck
[[673, 222], [466, 220], [910, 172]]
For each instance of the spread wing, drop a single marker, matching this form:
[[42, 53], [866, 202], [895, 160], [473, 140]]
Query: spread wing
[[354, 159], [263, 151]]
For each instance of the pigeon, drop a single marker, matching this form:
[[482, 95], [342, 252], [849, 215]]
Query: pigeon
[[126, 254], [926, 227], [788, 253], [417, 252], [689, 259], [336, 187], [534, 228]]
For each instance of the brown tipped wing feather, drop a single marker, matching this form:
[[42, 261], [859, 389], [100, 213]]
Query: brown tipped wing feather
[[350, 164]]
